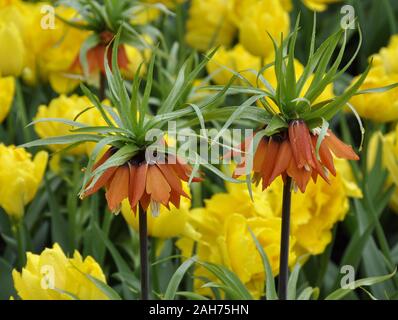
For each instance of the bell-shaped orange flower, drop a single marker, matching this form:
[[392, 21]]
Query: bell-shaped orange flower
[[143, 183], [96, 56], [293, 153]]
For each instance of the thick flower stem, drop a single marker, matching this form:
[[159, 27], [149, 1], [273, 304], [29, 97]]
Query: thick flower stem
[[21, 244], [143, 229], [102, 85], [284, 253]]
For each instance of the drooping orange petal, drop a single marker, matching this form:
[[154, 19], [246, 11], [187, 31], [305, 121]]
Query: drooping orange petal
[[270, 161], [133, 172], [157, 186], [145, 200], [300, 139], [319, 168], [102, 160], [118, 188], [339, 148], [183, 171], [282, 160], [91, 60], [175, 198], [260, 155], [101, 182], [122, 58], [300, 176], [172, 179], [326, 156], [137, 187]]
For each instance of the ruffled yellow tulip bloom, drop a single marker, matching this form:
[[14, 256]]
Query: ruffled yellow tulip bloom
[[53, 276], [20, 178], [67, 108], [236, 59], [209, 25], [382, 106], [261, 18]]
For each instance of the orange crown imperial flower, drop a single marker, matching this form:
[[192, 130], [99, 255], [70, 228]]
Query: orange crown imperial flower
[[95, 56], [292, 153], [142, 182]]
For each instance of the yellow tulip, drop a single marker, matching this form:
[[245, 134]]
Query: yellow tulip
[[209, 25], [387, 56], [319, 5], [237, 9], [388, 143], [67, 108], [53, 276], [226, 240], [137, 57], [223, 225], [54, 50], [20, 178], [314, 213], [380, 107], [384, 72], [7, 90], [12, 50], [260, 18], [237, 59], [170, 223]]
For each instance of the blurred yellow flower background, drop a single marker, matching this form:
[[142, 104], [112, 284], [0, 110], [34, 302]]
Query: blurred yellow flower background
[[319, 5], [381, 107], [7, 91]]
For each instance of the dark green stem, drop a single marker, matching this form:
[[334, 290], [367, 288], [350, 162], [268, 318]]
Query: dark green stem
[[285, 234], [143, 230], [21, 244]]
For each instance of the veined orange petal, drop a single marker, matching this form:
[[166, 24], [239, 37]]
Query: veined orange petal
[[101, 182], [119, 188], [102, 160], [137, 187], [326, 156], [145, 200], [300, 176], [122, 58], [172, 179], [339, 148], [157, 186], [269, 162], [283, 159], [260, 155], [319, 168], [175, 198], [133, 172], [183, 171], [301, 143]]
